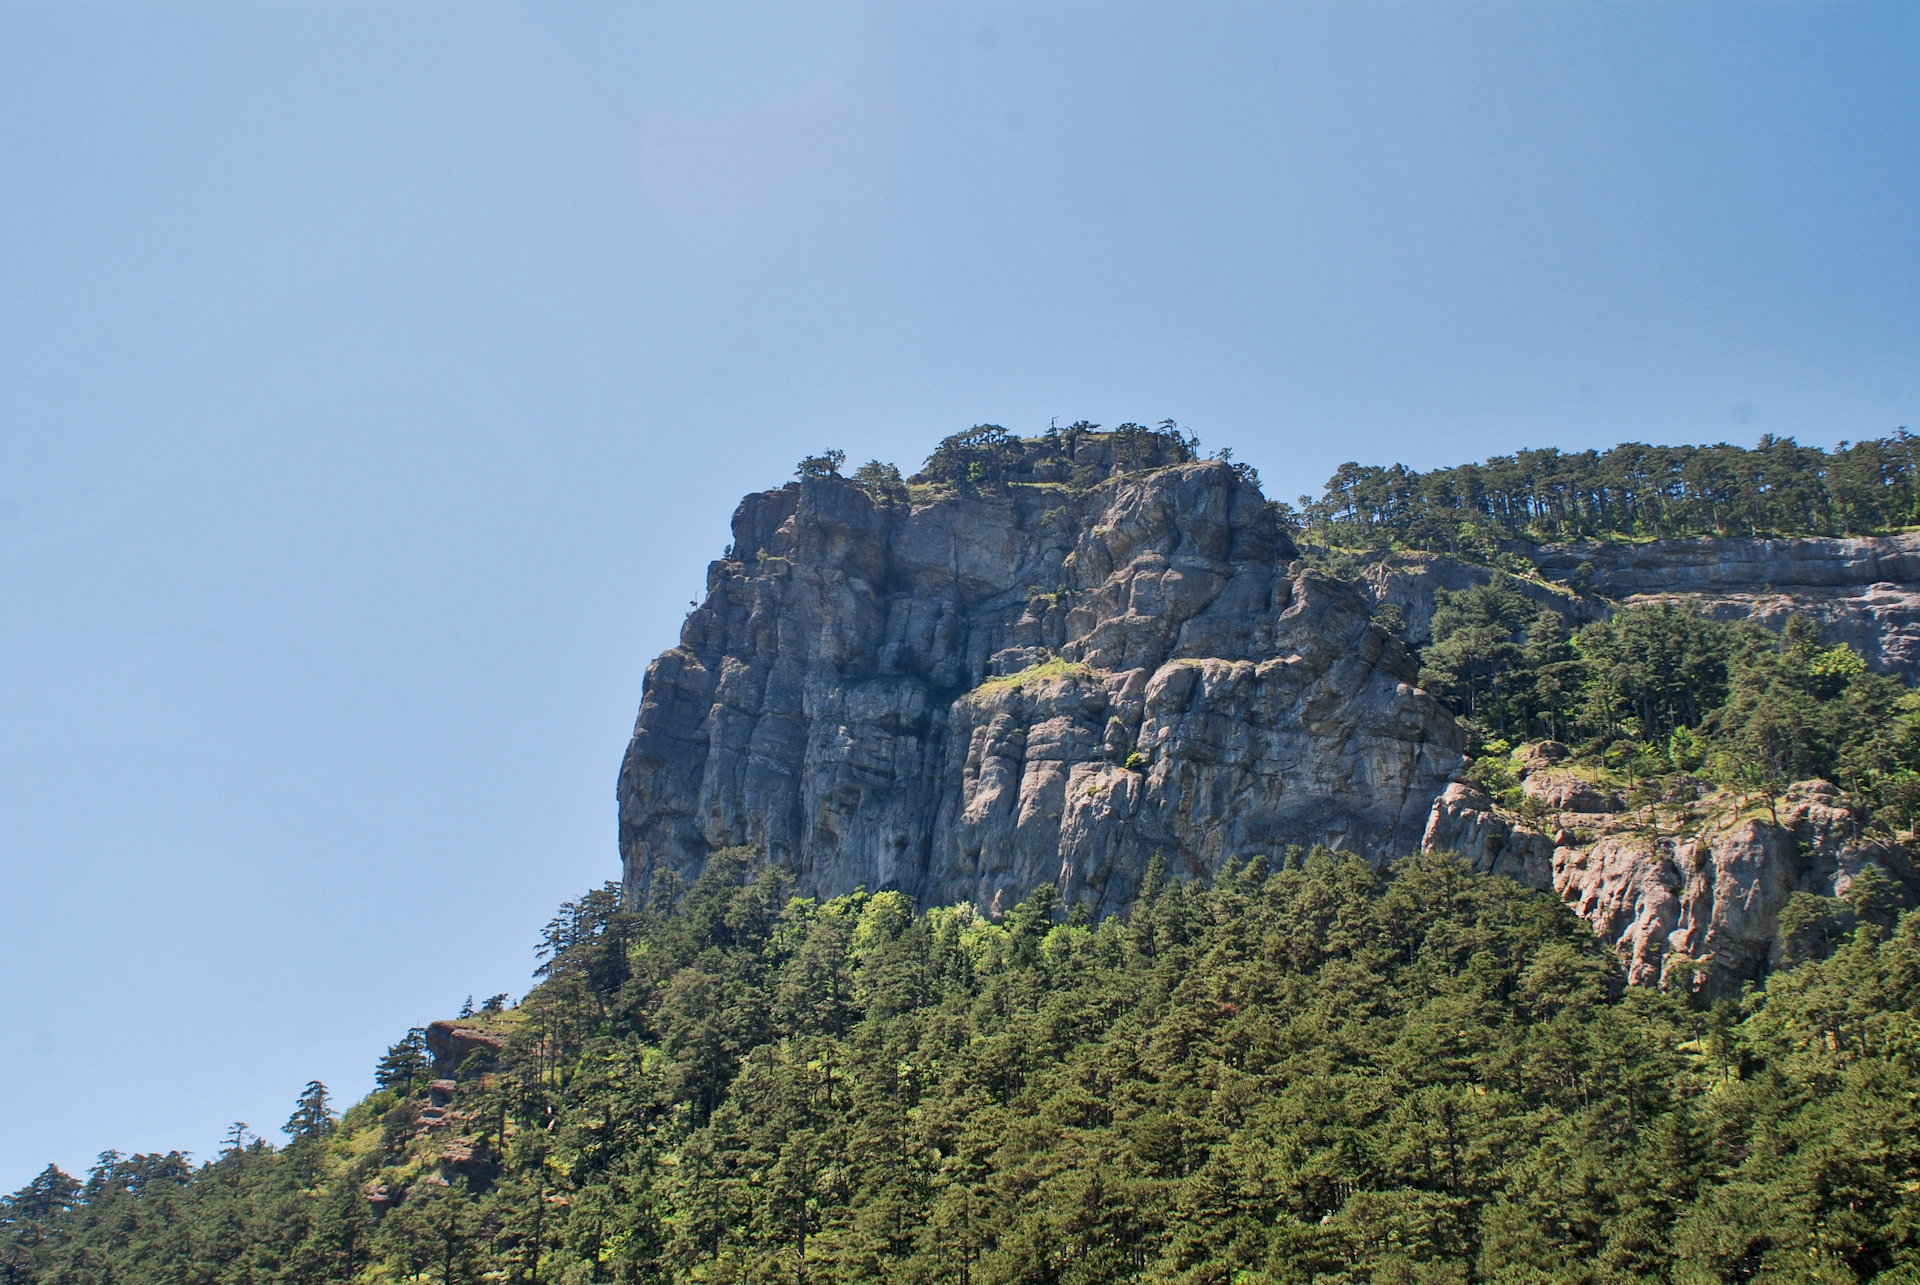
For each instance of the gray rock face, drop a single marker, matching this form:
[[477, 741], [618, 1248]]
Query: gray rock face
[[968, 697], [1707, 565], [1864, 592], [1464, 821], [1409, 581]]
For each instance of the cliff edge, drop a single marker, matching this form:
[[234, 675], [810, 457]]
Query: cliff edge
[[1075, 655], [977, 690]]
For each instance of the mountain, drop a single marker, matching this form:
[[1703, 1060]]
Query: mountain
[[1054, 660], [1068, 866], [963, 696]]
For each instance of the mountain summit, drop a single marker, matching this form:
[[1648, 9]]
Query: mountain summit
[[1062, 660], [1092, 650]]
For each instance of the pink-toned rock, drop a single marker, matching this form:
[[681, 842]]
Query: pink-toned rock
[[1464, 820], [1539, 756], [452, 1042], [1704, 907], [1562, 790], [1715, 899], [1629, 891]]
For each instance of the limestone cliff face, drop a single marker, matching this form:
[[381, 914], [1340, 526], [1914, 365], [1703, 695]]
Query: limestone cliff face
[[1061, 678], [1410, 582], [1864, 592], [1698, 883], [966, 697]]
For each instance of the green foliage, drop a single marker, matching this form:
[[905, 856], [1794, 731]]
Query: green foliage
[[312, 1116], [1661, 689], [881, 481], [1309, 1074], [1632, 491], [983, 455], [826, 464], [404, 1064], [987, 457]]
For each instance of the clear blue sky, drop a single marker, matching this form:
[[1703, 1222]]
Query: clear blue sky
[[376, 380]]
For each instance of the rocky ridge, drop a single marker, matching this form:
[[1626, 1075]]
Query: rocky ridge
[[966, 696], [1864, 592], [1694, 884], [972, 690]]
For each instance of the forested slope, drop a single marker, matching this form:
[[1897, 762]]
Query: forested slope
[[1631, 491], [1308, 1073]]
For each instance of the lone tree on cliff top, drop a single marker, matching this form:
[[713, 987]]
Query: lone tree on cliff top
[[826, 464]]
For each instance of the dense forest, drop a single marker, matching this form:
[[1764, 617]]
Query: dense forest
[[1633, 491], [1660, 691], [1304, 1072]]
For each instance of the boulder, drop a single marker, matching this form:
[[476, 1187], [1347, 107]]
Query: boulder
[[1562, 790]]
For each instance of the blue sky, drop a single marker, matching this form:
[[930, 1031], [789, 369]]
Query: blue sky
[[376, 380]]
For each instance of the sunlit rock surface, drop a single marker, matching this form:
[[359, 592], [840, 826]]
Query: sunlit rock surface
[[966, 697]]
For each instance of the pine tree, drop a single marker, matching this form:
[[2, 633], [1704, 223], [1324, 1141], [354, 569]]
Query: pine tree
[[404, 1062], [312, 1116]]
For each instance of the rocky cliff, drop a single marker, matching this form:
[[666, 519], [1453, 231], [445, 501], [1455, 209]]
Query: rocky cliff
[[1696, 884], [1864, 592], [965, 691], [977, 691]]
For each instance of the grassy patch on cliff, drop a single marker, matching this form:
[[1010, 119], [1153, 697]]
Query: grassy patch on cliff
[[1054, 670]]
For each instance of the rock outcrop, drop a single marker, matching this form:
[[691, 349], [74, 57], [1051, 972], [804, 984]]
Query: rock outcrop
[[452, 1043], [1411, 581], [1864, 592], [969, 695], [1697, 887], [1075, 667]]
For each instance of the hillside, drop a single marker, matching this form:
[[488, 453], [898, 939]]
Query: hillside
[[1067, 865], [1300, 1074]]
